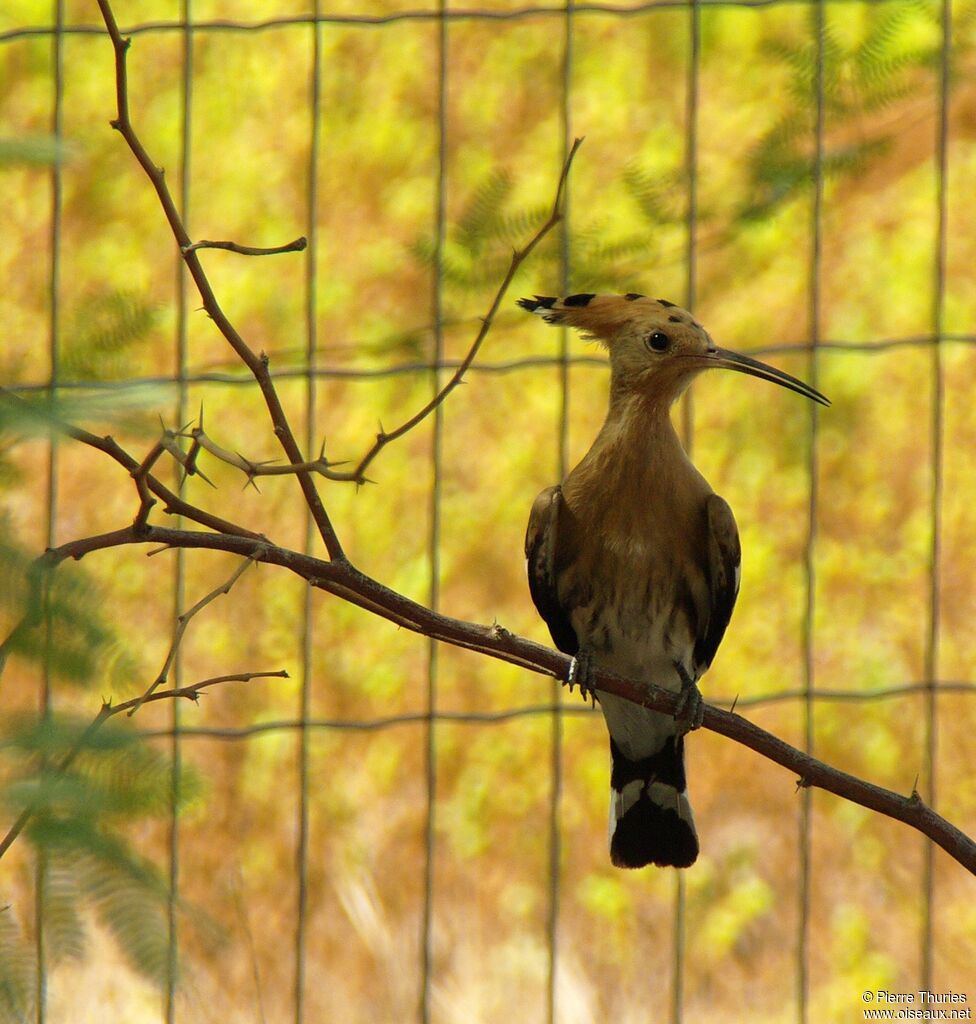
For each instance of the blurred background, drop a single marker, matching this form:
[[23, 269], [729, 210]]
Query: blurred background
[[408, 832]]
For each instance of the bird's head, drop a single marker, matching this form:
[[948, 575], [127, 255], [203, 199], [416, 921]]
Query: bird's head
[[656, 348]]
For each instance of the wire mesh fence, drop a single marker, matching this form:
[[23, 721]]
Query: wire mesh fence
[[859, 133]]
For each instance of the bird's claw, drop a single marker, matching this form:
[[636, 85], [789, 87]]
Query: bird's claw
[[579, 675], [690, 712]]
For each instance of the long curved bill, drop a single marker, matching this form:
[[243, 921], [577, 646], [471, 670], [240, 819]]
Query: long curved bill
[[746, 364]]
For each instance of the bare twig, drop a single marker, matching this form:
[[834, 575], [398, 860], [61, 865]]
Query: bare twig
[[298, 245], [146, 500], [183, 620], [250, 468], [175, 505], [108, 711], [257, 364], [384, 437], [357, 474], [345, 581]]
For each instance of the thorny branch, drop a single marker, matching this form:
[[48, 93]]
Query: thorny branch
[[183, 620], [200, 441], [383, 438], [257, 364], [341, 579], [357, 474], [345, 581], [107, 711]]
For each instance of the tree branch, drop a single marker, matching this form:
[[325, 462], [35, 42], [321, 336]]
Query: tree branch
[[345, 581], [108, 711], [251, 469], [175, 505], [257, 364], [383, 438], [183, 620], [298, 245], [340, 578]]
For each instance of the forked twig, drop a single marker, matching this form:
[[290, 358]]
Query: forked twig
[[348, 583], [384, 437], [183, 620], [257, 364], [108, 711]]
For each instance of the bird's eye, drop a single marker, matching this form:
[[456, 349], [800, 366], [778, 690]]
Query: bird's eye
[[658, 341]]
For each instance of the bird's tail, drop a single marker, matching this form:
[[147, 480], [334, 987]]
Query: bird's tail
[[650, 816]]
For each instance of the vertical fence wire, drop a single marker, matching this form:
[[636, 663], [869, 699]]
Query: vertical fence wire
[[181, 343], [54, 367], [937, 428], [805, 837], [311, 438], [562, 466], [692, 108], [434, 507]]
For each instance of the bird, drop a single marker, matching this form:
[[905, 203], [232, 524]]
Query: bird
[[634, 562]]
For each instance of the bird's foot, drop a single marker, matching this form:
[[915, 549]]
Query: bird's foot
[[580, 673], [690, 712]]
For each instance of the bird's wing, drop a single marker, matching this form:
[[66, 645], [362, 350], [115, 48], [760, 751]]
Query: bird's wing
[[724, 559], [541, 539]]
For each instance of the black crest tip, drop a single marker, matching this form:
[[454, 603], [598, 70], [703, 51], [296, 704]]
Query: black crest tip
[[539, 302]]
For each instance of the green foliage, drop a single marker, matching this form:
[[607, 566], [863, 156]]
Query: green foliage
[[58, 616], [17, 972], [36, 149], [478, 248], [105, 332], [479, 245], [858, 77], [83, 787]]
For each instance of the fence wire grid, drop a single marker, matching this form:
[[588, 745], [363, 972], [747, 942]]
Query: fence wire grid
[[191, 24]]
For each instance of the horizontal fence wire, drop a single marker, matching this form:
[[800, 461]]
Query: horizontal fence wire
[[381, 722], [432, 14], [425, 368]]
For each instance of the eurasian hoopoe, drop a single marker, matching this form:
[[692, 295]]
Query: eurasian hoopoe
[[634, 562]]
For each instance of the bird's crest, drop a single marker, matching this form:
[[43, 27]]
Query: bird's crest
[[599, 316]]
